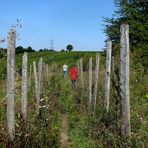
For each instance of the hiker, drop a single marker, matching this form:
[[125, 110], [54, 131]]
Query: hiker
[[64, 70], [73, 73]]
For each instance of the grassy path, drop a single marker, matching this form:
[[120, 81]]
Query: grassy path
[[64, 138], [64, 104], [74, 123]]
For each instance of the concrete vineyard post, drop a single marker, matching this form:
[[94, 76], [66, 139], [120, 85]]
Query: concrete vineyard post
[[90, 82], [96, 78], [24, 100], [124, 82], [78, 66], [82, 78], [40, 79], [11, 83], [36, 85], [107, 76]]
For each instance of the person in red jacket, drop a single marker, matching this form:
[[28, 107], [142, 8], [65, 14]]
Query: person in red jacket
[[73, 73]]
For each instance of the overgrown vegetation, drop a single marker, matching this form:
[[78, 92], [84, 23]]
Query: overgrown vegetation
[[87, 128], [133, 13], [41, 130]]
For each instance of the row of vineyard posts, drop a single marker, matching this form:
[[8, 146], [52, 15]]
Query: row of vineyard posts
[[124, 82]]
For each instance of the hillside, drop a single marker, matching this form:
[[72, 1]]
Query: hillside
[[49, 57], [66, 109]]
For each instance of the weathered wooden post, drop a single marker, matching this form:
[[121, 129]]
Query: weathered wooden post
[[90, 82], [96, 78], [107, 76], [11, 83], [124, 82], [24, 100], [82, 79], [36, 85]]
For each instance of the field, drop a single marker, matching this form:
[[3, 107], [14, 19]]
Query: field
[[66, 110]]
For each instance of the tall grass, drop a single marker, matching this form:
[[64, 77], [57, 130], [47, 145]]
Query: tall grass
[[87, 128]]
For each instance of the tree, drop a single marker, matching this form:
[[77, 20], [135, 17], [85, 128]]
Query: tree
[[41, 50], [69, 47], [133, 13], [62, 50], [29, 49], [51, 50], [19, 49]]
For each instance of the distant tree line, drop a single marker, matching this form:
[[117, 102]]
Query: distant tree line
[[20, 49], [69, 48], [46, 49]]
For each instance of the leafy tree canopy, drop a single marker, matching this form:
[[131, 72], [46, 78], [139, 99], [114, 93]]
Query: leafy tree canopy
[[134, 13], [20, 49], [69, 47]]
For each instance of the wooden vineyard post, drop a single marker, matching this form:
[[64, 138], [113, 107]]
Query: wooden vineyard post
[[36, 85], [124, 82], [96, 79], [82, 78], [107, 76], [24, 100], [11, 83], [90, 82]]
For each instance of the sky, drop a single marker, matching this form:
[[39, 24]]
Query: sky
[[76, 22]]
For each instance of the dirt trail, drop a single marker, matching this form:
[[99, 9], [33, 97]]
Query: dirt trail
[[64, 139]]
